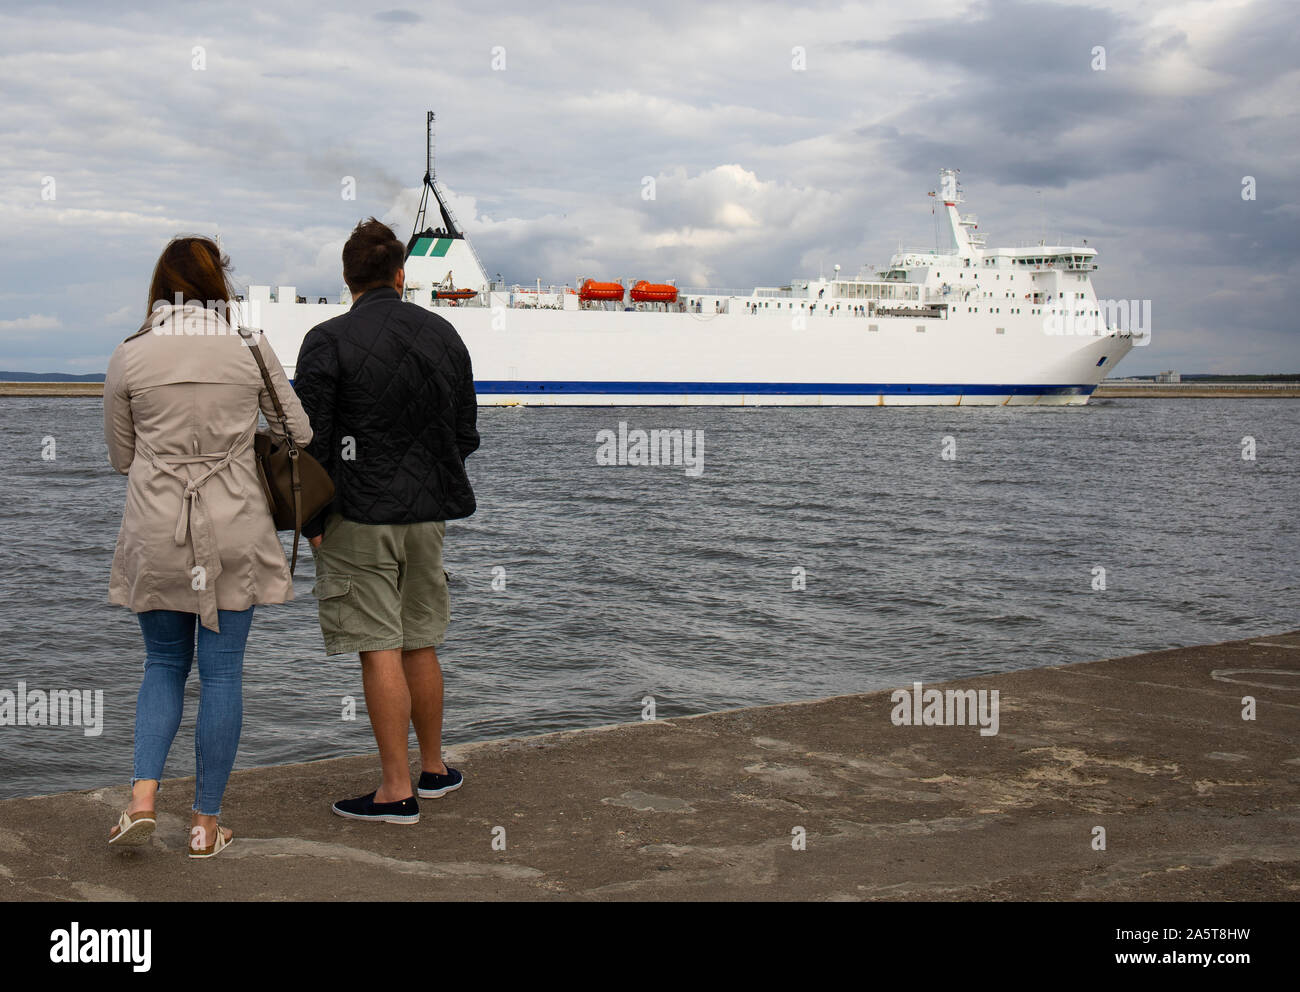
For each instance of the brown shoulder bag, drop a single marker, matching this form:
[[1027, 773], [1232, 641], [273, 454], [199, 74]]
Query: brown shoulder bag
[[297, 486]]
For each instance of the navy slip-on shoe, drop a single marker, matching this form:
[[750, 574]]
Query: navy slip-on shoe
[[434, 786], [365, 808]]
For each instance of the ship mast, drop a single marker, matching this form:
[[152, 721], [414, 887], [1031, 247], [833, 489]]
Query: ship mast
[[431, 186]]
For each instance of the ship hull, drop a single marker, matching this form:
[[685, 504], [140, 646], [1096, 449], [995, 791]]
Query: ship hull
[[541, 357]]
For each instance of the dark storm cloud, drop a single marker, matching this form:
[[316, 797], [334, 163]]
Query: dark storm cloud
[[1021, 42], [1027, 84]]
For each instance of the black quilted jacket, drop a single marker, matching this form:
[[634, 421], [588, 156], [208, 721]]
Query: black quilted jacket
[[390, 393]]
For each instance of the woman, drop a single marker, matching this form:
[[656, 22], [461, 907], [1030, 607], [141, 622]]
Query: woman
[[197, 549]]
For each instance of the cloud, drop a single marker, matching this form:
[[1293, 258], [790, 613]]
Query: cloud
[[762, 171], [32, 322], [399, 17]]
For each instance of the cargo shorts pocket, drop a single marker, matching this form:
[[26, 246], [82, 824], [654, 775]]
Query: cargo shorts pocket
[[336, 604]]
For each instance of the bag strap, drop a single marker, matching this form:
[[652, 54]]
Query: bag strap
[[255, 347]]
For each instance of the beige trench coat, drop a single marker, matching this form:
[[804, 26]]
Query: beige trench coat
[[181, 399]]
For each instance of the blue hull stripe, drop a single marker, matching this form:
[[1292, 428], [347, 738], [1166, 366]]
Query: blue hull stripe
[[530, 386]]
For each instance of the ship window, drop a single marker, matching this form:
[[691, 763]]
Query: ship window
[[1101, 361], [920, 328], [1000, 330], [873, 327]]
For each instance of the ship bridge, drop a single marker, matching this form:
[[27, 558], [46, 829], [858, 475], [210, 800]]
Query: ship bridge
[[963, 275]]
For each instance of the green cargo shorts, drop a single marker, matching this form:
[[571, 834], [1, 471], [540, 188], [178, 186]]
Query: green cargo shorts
[[381, 586]]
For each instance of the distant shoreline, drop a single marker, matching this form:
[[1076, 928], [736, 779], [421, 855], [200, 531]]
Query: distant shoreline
[[1106, 391], [1196, 390]]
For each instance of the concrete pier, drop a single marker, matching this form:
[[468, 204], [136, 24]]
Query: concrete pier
[[1195, 801]]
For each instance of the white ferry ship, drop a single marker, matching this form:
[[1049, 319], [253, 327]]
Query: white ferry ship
[[961, 324]]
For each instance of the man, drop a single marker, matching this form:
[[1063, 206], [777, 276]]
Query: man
[[390, 393]]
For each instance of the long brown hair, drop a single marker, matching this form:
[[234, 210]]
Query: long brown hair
[[194, 268]]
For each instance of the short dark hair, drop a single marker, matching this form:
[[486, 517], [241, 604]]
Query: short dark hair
[[372, 256]]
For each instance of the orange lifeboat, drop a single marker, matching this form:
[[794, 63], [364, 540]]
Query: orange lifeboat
[[454, 294], [654, 292], [592, 290]]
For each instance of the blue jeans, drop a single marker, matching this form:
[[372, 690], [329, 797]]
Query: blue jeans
[[169, 654]]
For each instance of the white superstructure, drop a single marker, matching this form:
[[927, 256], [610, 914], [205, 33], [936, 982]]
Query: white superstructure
[[960, 324]]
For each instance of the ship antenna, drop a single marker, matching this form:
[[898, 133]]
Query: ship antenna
[[428, 149], [428, 181]]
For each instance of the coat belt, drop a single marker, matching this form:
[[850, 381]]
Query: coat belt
[[194, 522]]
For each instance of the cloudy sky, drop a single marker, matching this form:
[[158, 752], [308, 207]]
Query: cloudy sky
[[124, 124]]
